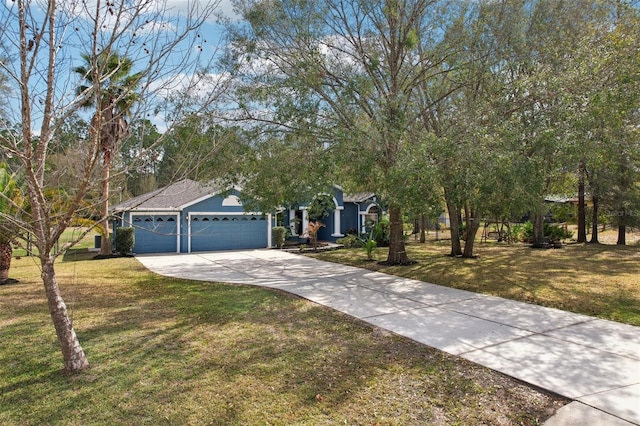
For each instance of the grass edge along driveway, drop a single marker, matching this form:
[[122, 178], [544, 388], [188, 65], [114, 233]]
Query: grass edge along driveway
[[597, 280]]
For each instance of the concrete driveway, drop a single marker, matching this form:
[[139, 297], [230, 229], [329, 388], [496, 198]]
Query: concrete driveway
[[594, 362]]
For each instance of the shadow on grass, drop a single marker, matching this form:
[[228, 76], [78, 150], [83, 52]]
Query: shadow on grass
[[177, 352], [597, 280]]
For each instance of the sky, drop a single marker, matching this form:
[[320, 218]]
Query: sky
[[67, 85]]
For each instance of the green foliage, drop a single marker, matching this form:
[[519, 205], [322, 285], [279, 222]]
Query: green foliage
[[321, 207], [556, 233], [124, 240], [524, 232], [369, 246], [279, 235], [11, 201], [350, 241], [381, 232]]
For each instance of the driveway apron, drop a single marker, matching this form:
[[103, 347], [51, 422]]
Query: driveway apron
[[594, 362]]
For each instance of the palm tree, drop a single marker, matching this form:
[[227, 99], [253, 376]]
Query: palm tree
[[111, 88], [10, 206]]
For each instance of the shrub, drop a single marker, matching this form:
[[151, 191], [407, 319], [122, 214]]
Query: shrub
[[350, 241], [381, 232], [312, 232], [279, 235], [556, 233], [522, 233], [124, 240], [369, 246]]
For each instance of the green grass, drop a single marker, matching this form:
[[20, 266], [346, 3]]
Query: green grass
[[596, 280], [168, 351], [69, 235]]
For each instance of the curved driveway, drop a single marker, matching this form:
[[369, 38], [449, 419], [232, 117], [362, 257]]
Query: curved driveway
[[592, 361]]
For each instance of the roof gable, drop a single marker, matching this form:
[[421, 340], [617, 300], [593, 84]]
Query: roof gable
[[172, 197]]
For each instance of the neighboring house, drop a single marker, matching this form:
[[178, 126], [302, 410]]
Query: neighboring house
[[188, 216]]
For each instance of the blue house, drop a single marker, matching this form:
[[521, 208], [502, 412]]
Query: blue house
[[188, 216], [352, 214]]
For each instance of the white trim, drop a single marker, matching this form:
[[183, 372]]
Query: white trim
[[227, 213], [336, 223], [231, 201], [305, 220], [142, 209], [362, 215], [269, 226], [292, 222], [211, 195], [196, 201], [159, 213]]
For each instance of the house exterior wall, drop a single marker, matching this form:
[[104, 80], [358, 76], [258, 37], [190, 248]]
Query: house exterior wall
[[351, 218], [212, 223]]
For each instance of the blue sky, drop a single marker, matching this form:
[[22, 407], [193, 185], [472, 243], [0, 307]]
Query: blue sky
[[77, 43]]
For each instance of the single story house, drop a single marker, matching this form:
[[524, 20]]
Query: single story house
[[352, 214], [189, 216]]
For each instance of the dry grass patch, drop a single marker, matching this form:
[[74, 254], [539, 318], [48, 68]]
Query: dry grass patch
[[167, 351]]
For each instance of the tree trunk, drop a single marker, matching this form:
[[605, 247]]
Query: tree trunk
[[582, 228], [105, 243], [423, 225], [472, 219], [397, 252], [72, 353], [538, 230], [622, 234], [594, 222], [6, 251], [454, 226]]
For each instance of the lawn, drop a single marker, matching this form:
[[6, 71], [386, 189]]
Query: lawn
[[168, 351], [597, 280]]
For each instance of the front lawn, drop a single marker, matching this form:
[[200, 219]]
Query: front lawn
[[168, 351], [596, 280]]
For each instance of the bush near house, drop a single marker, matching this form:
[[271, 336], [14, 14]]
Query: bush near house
[[124, 240], [279, 235]]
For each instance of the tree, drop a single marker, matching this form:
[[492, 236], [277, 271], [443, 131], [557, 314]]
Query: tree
[[11, 203], [44, 39], [347, 72], [600, 97], [111, 90], [141, 156], [200, 149]]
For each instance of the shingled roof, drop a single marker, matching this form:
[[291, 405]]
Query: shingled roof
[[359, 197], [172, 197]]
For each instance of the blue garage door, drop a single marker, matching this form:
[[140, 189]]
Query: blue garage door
[[155, 234], [220, 232]]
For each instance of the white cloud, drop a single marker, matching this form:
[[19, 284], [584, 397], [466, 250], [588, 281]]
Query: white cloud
[[225, 7]]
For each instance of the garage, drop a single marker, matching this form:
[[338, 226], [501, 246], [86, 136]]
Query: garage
[[155, 233], [190, 216], [226, 231]]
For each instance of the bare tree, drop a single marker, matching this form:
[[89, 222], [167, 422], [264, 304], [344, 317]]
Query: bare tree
[[43, 43]]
